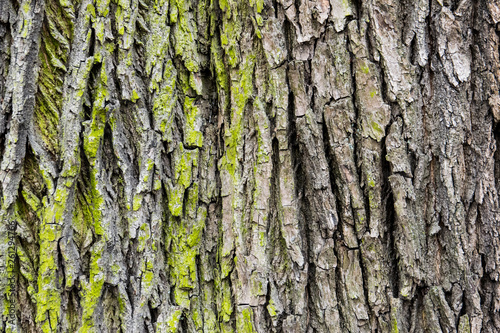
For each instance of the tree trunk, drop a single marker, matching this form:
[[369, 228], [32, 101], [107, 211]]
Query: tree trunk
[[249, 166]]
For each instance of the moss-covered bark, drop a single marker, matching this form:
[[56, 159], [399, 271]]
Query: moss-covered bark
[[249, 166]]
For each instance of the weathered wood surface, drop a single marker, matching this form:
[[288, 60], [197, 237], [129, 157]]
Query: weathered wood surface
[[250, 166]]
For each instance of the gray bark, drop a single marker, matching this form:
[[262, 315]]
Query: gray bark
[[249, 166]]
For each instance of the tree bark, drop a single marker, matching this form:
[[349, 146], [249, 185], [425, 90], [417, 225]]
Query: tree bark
[[249, 166]]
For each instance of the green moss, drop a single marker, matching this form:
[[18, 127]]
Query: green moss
[[184, 161], [185, 32], [115, 268], [175, 200], [173, 320], [244, 321], [90, 202], [195, 237], [256, 285], [394, 328], [122, 303], [157, 184], [271, 308], [256, 28], [464, 324], [99, 31], [184, 234], [135, 96], [370, 181], [48, 301], [259, 20], [94, 134], [262, 238], [157, 45], [97, 203], [164, 102], [48, 298], [150, 164], [226, 266], [257, 4], [121, 16], [183, 263], [147, 279], [194, 137], [31, 199], [379, 132], [231, 30], [191, 203], [371, 200], [198, 319], [226, 305], [91, 9], [55, 39], [174, 14], [219, 66], [87, 211], [137, 202], [183, 81], [103, 7], [144, 236], [184, 165], [25, 265], [181, 297], [48, 181], [241, 91], [225, 6], [92, 290]]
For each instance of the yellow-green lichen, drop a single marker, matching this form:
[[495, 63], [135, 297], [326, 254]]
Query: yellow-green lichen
[[91, 291], [185, 32], [194, 137], [271, 308], [244, 321]]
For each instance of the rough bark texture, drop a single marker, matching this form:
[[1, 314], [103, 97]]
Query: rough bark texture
[[249, 166]]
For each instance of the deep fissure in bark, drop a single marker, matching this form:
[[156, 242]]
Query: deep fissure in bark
[[232, 166]]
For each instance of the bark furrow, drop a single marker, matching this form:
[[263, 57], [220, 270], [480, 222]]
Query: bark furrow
[[249, 166]]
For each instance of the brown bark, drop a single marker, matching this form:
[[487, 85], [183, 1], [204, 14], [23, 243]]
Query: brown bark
[[249, 166]]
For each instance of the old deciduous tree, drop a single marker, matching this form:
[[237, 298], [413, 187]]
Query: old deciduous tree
[[249, 166]]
